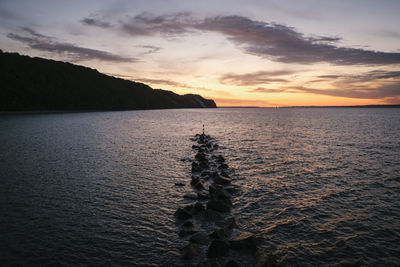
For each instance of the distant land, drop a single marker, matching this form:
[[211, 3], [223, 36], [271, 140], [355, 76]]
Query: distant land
[[38, 84], [356, 106]]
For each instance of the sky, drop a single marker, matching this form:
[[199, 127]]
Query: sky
[[268, 53]]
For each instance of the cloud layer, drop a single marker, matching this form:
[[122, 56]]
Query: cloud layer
[[268, 40], [74, 53], [377, 84]]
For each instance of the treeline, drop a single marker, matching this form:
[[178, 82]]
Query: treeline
[[40, 84]]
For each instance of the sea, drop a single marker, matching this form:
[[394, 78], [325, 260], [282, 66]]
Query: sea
[[317, 186]]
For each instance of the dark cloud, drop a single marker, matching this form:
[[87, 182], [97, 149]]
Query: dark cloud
[[377, 84], [73, 52], [379, 92], [270, 40], [151, 49], [360, 78], [148, 24], [96, 22], [181, 85], [254, 78], [35, 33], [284, 44], [268, 90]]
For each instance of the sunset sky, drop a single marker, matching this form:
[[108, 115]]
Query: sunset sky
[[239, 53]]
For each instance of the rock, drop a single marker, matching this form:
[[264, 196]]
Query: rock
[[269, 261], [200, 156], [213, 215], [213, 174], [190, 196], [195, 167], [187, 224], [223, 166], [195, 180], [179, 184], [232, 263], [199, 207], [220, 159], [189, 209], [221, 233], [199, 238], [199, 185], [230, 189], [182, 214], [222, 205], [222, 180], [202, 195], [229, 223], [217, 248], [217, 191], [223, 173], [209, 263], [186, 232], [206, 177], [189, 251], [195, 147], [245, 240], [205, 173], [216, 146], [204, 165]]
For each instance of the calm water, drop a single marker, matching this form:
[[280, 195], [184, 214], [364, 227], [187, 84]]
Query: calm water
[[320, 186]]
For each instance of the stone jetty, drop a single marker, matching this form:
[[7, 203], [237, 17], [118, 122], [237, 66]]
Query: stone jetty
[[211, 233]]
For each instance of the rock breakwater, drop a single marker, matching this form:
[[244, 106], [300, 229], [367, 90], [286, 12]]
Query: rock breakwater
[[212, 234]]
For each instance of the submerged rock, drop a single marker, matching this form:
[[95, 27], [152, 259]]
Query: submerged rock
[[232, 263], [202, 195], [196, 167], [186, 232], [222, 180], [223, 166], [217, 248], [213, 215], [199, 207], [182, 214], [220, 159], [267, 261], [245, 240], [222, 205], [199, 238], [189, 251], [190, 196]]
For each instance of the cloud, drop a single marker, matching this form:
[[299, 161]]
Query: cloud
[[151, 49], [96, 22], [241, 102], [377, 84], [284, 44], [379, 92], [168, 25], [268, 90], [276, 42], [181, 85], [254, 78], [42, 42]]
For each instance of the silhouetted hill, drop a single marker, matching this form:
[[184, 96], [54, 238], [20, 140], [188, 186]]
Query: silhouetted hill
[[41, 84]]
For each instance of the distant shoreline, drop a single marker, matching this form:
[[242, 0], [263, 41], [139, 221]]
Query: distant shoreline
[[359, 106]]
